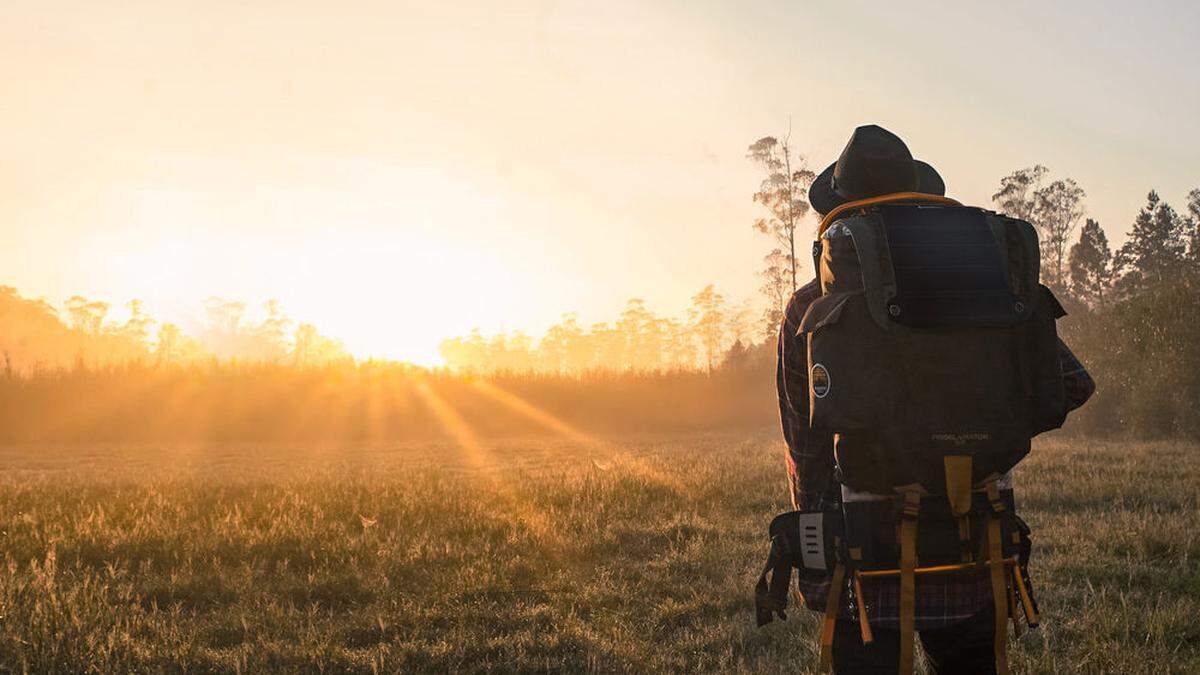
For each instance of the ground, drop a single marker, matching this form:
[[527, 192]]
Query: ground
[[620, 554]]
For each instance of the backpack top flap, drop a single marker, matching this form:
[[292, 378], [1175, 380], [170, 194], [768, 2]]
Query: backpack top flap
[[949, 269]]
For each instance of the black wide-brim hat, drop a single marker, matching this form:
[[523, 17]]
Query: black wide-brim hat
[[874, 162]]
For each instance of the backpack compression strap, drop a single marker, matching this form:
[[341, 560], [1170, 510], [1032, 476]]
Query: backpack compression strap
[[833, 603], [908, 563], [999, 577], [893, 198]]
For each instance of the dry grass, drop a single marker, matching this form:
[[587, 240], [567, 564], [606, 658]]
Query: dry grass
[[637, 554]]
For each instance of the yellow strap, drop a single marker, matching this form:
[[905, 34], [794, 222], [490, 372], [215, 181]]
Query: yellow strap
[[864, 626], [999, 583], [958, 482], [1012, 604], [958, 493], [833, 603], [908, 585], [964, 537], [1031, 615], [935, 569], [883, 199]]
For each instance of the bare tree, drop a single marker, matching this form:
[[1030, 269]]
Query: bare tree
[[783, 192]]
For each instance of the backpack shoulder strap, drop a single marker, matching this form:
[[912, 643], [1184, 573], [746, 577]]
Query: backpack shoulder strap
[[893, 198]]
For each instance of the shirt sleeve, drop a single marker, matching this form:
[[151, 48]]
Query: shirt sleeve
[[809, 453], [1077, 382]]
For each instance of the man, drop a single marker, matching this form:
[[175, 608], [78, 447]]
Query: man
[[954, 613]]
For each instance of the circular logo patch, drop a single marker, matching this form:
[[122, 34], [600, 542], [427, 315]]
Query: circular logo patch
[[820, 381]]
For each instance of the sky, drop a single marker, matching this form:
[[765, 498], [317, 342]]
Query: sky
[[397, 173]]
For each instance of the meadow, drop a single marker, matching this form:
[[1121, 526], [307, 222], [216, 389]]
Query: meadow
[[632, 553]]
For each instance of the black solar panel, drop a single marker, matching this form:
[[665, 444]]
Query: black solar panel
[[949, 271]]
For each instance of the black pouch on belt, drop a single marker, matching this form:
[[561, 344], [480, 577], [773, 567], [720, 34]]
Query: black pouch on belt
[[804, 540]]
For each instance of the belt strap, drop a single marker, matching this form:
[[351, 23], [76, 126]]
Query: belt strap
[[908, 582], [999, 578], [833, 602], [1031, 613], [864, 626]]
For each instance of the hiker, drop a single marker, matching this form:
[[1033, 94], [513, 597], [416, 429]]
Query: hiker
[[895, 374]]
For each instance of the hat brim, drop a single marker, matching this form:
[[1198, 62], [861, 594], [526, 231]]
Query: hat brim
[[823, 199]]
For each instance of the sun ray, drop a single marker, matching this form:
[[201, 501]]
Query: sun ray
[[508, 497], [523, 407], [598, 447], [452, 422]]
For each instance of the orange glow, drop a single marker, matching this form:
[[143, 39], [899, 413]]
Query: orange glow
[[613, 456], [533, 412]]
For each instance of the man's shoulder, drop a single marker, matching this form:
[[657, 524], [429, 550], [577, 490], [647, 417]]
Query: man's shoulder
[[804, 296], [801, 300]]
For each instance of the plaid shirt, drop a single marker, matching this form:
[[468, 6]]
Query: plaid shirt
[[941, 599]]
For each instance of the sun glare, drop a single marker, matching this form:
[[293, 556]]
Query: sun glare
[[363, 258]]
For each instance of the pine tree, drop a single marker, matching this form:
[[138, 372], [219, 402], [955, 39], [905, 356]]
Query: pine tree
[[1091, 266], [1155, 251], [1193, 230]]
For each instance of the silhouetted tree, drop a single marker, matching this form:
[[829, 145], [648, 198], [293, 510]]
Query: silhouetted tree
[[1091, 266], [138, 326], [85, 315], [1055, 209], [1059, 206], [175, 347], [737, 323], [310, 348], [783, 192], [1193, 227], [777, 287], [1018, 190], [1156, 248], [642, 335], [707, 316], [681, 345], [227, 335]]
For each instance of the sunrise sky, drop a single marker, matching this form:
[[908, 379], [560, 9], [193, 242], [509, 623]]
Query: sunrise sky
[[400, 172]]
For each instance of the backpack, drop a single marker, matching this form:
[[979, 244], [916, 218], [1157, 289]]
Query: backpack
[[933, 361], [932, 338]]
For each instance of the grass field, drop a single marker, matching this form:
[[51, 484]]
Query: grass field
[[634, 554]]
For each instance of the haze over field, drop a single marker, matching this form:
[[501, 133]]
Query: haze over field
[[400, 173]]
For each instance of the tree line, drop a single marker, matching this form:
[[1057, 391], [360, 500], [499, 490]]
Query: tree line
[[36, 336], [1133, 313], [638, 340]]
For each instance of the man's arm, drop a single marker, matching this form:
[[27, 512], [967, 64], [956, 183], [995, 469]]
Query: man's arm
[[810, 454]]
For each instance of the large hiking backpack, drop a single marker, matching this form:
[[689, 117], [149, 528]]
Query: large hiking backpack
[[933, 360], [932, 338]]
